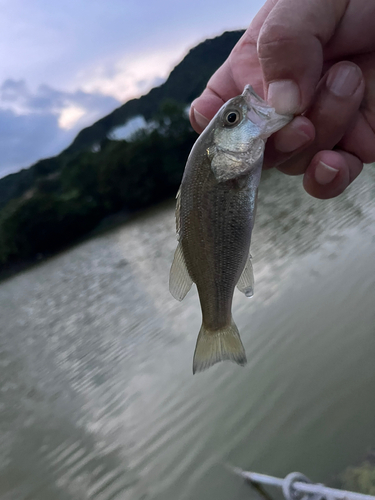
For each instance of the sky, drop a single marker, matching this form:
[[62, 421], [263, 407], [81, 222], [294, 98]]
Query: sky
[[65, 64]]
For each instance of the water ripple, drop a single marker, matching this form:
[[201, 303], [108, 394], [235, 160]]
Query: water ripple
[[97, 399]]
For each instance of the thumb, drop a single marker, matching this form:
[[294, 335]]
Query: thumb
[[290, 50]]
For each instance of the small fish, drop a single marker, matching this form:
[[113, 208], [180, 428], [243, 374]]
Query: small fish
[[215, 214]]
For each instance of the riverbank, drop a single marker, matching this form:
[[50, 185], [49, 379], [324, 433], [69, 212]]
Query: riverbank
[[106, 225]]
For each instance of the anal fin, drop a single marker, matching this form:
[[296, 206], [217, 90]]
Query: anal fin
[[246, 282], [179, 278]]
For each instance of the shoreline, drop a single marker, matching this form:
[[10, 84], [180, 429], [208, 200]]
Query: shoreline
[[106, 225]]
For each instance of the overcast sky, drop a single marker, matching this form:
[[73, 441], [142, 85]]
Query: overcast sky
[[64, 64]]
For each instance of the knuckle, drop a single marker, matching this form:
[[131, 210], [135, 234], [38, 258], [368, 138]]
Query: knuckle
[[273, 36], [295, 165], [367, 154]]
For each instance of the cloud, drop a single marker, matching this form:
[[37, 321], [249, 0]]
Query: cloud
[[131, 75], [110, 53], [70, 116], [39, 124], [16, 96], [26, 138]]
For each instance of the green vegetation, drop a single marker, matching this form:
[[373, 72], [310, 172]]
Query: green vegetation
[[90, 185], [184, 84], [360, 478], [57, 200]]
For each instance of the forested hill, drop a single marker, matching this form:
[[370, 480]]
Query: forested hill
[[185, 82], [57, 200]]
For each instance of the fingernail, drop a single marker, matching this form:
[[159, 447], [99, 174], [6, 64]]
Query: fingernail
[[284, 96], [324, 174], [345, 80], [200, 120], [287, 140]]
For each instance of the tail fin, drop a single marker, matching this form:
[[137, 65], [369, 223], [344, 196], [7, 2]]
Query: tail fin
[[215, 346]]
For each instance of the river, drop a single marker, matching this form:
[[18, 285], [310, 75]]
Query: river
[[97, 396]]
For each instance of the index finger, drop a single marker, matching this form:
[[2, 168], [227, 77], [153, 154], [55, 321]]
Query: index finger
[[241, 68]]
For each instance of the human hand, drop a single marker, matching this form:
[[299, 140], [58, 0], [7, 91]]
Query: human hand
[[313, 58]]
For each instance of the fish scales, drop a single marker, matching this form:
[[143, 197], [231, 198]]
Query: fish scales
[[216, 240], [215, 217]]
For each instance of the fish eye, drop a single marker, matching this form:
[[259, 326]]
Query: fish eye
[[232, 118]]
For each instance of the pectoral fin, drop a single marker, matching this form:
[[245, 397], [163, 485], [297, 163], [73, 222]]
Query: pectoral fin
[[179, 278], [246, 282]]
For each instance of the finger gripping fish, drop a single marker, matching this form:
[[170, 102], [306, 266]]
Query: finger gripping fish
[[215, 213]]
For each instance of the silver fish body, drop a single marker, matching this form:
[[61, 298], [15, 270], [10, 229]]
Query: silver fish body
[[215, 214]]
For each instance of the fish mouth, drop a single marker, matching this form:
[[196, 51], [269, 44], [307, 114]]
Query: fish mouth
[[262, 114], [256, 104]]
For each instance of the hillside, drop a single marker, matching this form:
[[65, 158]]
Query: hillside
[[59, 200], [185, 82]]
